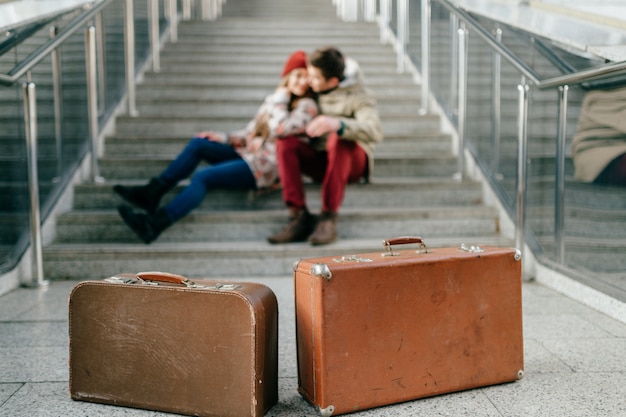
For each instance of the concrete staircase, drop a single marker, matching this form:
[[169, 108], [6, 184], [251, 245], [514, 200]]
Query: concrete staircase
[[215, 77]]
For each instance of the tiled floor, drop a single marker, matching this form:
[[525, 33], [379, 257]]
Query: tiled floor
[[575, 363]]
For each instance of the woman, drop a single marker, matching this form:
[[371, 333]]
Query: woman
[[244, 159]]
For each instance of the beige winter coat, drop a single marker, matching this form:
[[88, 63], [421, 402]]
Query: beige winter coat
[[601, 133], [355, 106]]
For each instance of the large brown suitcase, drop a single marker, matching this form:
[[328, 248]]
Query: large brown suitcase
[[161, 342], [380, 328]]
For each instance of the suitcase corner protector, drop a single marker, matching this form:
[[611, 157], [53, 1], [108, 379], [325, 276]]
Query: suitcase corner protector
[[295, 265], [326, 412], [321, 270]]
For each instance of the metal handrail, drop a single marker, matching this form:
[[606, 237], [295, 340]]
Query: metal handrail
[[583, 76], [24, 67], [44, 50], [562, 83], [14, 37], [90, 16], [493, 43], [576, 78]]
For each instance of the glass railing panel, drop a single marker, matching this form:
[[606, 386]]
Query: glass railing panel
[[13, 183], [594, 235], [58, 150]]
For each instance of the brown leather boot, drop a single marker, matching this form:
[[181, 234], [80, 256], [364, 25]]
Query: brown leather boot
[[300, 226], [326, 230]]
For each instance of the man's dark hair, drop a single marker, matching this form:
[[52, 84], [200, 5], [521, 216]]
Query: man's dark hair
[[330, 62]]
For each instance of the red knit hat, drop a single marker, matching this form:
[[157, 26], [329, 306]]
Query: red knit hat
[[296, 60]]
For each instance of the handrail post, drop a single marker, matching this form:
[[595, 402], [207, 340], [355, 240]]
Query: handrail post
[[101, 62], [57, 87], [462, 97], [496, 109], [522, 156], [209, 9], [173, 16], [426, 12], [206, 10], [155, 45], [92, 99], [36, 241], [186, 9], [402, 19], [559, 189], [129, 48], [384, 19], [348, 10], [369, 10], [454, 64]]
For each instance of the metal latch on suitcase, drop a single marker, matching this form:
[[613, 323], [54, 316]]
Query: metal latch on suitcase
[[472, 249], [352, 258]]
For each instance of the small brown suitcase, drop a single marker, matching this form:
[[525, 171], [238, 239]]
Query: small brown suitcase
[[380, 328], [158, 341]]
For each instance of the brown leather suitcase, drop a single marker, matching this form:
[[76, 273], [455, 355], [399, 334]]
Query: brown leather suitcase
[[380, 328], [161, 342]]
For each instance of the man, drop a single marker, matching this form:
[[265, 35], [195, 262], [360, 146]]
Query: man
[[340, 152]]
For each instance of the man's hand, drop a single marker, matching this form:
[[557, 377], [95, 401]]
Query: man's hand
[[322, 125]]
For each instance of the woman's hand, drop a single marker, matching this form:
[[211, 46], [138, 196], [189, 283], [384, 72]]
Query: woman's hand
[[211, 135]]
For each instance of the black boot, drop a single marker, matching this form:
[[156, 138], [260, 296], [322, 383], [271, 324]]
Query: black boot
[[300, 226], [147, 226], [146, 196]]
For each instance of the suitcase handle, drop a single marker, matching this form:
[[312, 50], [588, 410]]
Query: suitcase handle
[[154, 277], [404, 240], [163, 277]]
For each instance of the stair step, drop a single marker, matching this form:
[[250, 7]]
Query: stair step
[[426, 144], [256, 93], [593, 254], [215, 259], [253, 57], [244, 26], [380, 193], [116, 168], [192, 78], [267, 67], [249, 225], [215, 77], [245, 107], [578, 195], [160, 126], [214, 109], [182, 78], [12, 226]]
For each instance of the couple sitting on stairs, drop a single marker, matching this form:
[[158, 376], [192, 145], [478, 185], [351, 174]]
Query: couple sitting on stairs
[[321, 121]]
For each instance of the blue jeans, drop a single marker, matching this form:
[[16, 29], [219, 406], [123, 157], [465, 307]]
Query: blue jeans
[[227, 171]]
